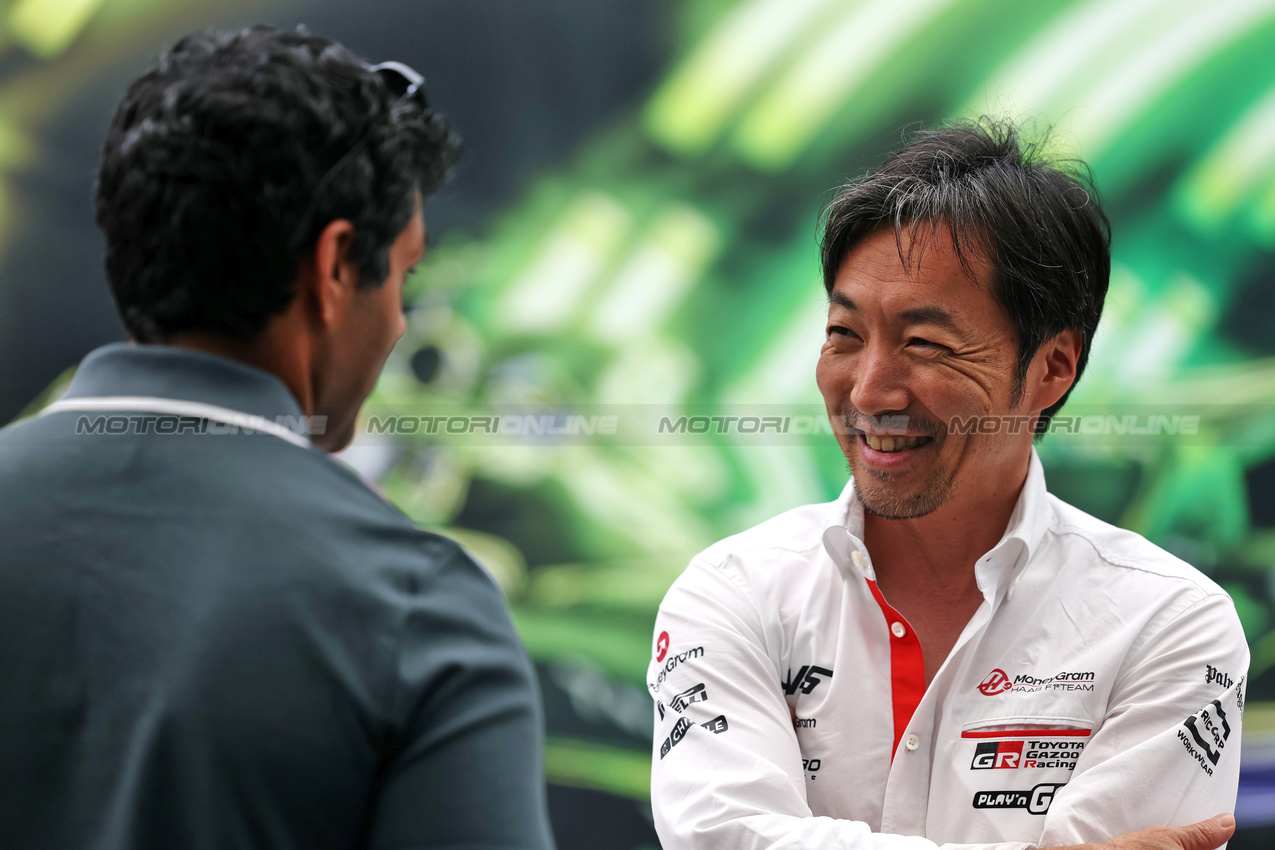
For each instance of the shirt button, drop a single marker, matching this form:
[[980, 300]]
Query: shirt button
[[857, 557], [898, 630], [912, 743]]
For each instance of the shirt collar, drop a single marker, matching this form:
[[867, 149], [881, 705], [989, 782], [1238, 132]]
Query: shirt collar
[[996, 571], [164, 371]]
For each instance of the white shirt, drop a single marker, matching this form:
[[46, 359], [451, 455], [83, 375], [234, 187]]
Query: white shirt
[[1097, 690]]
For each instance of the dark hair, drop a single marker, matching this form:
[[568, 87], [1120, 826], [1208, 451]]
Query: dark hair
[[206, 189], [1036, 221]]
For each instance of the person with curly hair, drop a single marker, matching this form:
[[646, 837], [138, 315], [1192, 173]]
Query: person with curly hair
[[211, 634]]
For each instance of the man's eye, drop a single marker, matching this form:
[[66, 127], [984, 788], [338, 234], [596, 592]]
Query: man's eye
[[838, 330], [925, 343]]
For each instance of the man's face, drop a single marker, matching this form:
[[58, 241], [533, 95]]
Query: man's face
[[373, 324], [907, 352]]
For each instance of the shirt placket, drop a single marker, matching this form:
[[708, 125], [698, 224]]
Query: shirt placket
[[905, 809]]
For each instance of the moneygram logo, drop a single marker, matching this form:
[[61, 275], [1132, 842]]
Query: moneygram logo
[[997, 682], [670, 665], [661, 646]]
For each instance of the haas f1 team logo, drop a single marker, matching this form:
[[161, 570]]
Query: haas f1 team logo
[[807, 679], [661, 646], [997, 682]]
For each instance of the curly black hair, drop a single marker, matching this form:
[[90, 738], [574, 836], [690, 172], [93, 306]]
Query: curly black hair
[[206, 190], [1035, 218]]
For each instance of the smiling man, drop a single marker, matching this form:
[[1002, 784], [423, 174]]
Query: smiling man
[[212, 635], [947, 654]]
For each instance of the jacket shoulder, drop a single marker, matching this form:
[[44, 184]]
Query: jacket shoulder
[[1124, 550], [790, 540]]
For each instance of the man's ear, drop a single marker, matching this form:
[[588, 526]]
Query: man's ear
[[332, 276], [1053, 369]]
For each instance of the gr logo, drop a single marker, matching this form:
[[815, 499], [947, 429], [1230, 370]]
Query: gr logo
[[996, 682], [998, 755], [661, 646]]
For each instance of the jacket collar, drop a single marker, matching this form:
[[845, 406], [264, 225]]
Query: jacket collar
[[996, 571], [168, 372]]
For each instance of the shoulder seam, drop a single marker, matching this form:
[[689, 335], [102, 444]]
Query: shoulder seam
[[1117, 561]]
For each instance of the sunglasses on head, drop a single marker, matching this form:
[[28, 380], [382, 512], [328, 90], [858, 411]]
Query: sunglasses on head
[[404, 84]]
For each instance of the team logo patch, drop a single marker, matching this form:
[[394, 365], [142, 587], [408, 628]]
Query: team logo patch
[[1208, 730], [661, 646], [717, 725], [1028, 754], [807, 679], [675, 737], [1036, 801], [674, 659], [679, 702], [1212, 674], [997, 682], [997, 755]]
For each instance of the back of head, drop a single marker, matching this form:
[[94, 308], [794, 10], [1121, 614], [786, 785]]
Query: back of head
[[1035, 221], [220, 169]]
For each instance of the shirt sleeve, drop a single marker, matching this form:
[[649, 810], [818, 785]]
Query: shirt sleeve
[[462, 760], [726, 767], [1168, 750]]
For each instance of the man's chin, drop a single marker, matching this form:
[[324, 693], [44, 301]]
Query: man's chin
[[883, 503]]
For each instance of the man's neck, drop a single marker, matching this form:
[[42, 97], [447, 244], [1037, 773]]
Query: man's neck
[[925, 567], [266, 352], [942, 547]]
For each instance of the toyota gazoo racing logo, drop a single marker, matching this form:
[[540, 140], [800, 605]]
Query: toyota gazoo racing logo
[[1029, 754], [661, 646], [997, 682]]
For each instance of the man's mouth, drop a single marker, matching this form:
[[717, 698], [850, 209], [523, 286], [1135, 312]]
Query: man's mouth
[[894, 444]]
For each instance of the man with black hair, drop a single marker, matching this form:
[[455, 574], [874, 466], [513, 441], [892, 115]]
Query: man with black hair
[[211, 634], [947, 654]]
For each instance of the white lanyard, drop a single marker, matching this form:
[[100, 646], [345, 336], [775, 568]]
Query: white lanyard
[[177, 407]]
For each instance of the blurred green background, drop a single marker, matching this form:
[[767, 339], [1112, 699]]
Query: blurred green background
[[633, 232]]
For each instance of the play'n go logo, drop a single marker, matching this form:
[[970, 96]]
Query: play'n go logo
[[997, 682], [661, 646]]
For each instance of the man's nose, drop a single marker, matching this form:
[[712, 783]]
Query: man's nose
[[879, 382]]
